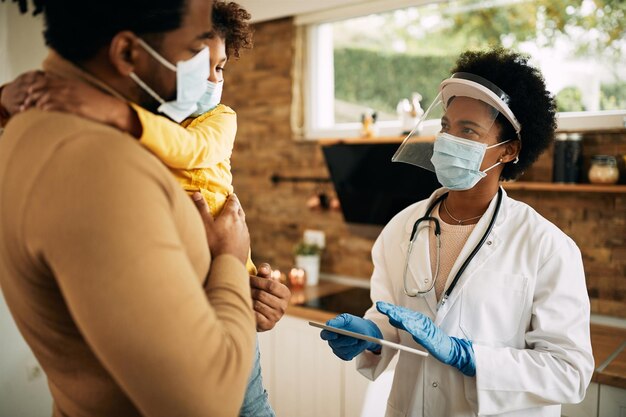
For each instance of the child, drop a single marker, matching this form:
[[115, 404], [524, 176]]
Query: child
[[197, 152]]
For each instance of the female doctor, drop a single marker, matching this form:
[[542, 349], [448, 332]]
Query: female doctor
[[493, 291]]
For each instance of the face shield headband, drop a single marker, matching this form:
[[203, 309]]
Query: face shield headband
[[418, 150]]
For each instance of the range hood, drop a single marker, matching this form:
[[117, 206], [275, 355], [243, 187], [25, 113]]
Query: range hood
[[371, 188]]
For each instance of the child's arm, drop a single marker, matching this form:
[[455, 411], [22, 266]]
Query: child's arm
[[201, 146], [13, 94], [207, 143], [53, 93]]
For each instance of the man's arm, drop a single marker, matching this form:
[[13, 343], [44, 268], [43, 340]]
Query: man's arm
[[174, 347]]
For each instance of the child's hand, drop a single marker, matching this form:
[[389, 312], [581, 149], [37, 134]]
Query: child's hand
[[14, 94], [270, 298], [53, 93]]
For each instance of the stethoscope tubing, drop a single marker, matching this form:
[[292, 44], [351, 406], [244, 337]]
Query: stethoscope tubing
[[427, 217]]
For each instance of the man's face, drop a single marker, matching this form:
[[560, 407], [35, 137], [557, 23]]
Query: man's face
[[177, 45]]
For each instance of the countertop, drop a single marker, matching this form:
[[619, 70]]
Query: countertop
[[608, 343]]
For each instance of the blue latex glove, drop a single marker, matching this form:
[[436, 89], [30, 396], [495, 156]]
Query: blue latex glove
[[346, 347], [449, 350]]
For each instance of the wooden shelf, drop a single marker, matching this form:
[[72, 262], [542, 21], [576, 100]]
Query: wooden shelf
[[374, 140], [572, 188]]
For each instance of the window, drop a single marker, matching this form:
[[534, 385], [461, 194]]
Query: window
[[376, 60]]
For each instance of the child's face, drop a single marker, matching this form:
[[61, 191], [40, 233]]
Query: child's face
[[218, 58]]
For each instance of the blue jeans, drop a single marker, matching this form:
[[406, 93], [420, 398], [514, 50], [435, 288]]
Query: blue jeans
[[255, 402]]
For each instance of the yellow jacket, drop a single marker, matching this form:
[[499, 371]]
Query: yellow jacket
[[197, 152]]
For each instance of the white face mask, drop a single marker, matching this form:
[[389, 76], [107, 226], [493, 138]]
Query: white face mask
[[210, 99], [191, 76], [457, 161]]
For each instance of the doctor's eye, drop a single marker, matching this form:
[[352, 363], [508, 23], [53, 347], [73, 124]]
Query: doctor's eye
[[469, 131]]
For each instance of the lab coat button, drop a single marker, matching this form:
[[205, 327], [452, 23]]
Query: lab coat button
[[489, 242], [435, 384]]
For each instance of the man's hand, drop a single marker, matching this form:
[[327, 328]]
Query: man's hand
[[14, 94], [270, 298], [228, 233]]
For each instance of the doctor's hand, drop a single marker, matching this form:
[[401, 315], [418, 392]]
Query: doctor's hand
[[449, 350], [346, 347]]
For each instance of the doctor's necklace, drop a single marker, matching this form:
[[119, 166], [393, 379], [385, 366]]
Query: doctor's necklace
[[460, 222]]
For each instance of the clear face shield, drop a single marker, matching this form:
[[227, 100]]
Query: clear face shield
[[467, 106]]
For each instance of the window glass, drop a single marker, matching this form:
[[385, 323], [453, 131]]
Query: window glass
[[383, 58]]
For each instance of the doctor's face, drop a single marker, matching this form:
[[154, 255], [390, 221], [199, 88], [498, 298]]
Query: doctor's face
[[471, 119], [474, 120]]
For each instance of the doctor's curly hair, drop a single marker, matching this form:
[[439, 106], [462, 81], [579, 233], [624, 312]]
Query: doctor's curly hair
[[533, 105], [230, 22]]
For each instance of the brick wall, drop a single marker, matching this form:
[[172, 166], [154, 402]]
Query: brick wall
[[259, 86]]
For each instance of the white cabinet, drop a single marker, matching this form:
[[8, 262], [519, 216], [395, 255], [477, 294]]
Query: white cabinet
[[612, 402], [305, 379], [24, 388]]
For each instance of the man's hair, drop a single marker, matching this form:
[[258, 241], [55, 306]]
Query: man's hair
[[533, 105], [77, 29], [230, 22]]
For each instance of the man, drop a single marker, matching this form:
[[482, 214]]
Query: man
[[103, 259]]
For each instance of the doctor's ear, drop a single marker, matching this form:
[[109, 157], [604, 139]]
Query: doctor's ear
[[124, 52], [511, 152]]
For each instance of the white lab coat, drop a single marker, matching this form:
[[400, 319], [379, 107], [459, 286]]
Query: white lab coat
[[522, 302]]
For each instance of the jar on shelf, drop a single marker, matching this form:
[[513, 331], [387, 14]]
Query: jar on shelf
[[603, 170]]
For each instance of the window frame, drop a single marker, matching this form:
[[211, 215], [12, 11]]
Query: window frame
[[317, 89]]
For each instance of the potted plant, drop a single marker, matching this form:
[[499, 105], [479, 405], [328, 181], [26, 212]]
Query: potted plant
[[308, 258]]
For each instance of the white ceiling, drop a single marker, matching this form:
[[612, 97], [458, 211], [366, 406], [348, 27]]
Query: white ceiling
[[273, 9]]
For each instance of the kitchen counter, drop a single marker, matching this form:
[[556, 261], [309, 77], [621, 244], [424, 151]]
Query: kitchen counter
[[608, 343]]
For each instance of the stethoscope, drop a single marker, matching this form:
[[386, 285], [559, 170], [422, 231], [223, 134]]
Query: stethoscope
[[428, 218]]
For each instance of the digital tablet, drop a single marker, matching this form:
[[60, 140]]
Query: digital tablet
[[383, 342]]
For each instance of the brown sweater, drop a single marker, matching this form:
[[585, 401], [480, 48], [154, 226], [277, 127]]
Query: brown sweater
[[103, 262]]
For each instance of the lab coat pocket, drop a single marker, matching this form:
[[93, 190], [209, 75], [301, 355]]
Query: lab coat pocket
[[492, 306], [393, 412]]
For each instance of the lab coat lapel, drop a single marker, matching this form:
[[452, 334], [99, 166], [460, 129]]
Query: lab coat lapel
[[492, 242]]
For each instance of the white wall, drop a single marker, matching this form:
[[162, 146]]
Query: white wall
[[22, 46], [23, 386]]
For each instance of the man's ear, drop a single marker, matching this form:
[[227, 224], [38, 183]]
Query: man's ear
[[124, 52]]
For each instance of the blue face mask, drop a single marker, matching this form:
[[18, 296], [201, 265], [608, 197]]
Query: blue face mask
[[457, 161], [191, 76], [210, 99]]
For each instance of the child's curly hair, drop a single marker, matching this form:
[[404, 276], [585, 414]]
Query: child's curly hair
[[230, 22]]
